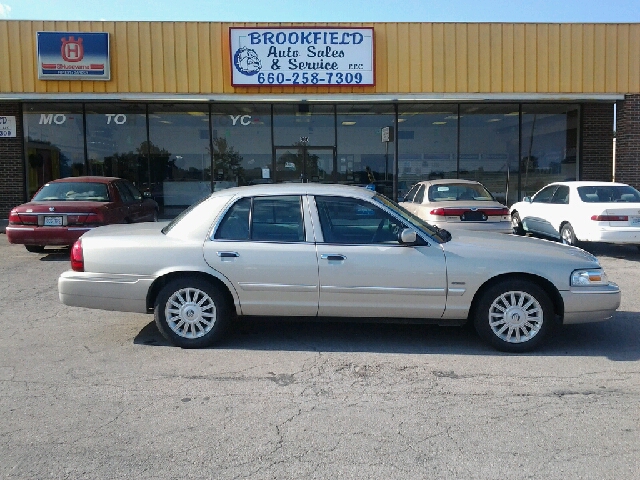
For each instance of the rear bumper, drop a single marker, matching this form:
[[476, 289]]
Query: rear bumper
[[590, 304], [34, 235], [613, 235], [103, 291]]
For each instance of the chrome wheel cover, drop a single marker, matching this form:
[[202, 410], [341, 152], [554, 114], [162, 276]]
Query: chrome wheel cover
[[515, 317], [190, 313], [515, 222], [566, 236]]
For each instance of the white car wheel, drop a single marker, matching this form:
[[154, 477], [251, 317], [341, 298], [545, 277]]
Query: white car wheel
[[567, 235], [514, 316], [516, 224], [191, 313]]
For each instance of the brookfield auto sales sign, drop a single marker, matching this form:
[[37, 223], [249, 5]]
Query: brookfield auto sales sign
[[301, 56], [73, 55]]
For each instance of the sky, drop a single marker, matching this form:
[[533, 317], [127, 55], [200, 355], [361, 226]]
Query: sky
[[613, 11]]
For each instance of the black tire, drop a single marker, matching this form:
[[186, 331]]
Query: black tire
[[530, 323], [34, 248], [191, 301], [568, 236], [516, 224]]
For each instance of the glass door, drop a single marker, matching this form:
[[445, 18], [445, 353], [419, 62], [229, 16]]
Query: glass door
[[301, 163]]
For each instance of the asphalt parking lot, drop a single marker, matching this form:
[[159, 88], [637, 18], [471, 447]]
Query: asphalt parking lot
[[93, 394]]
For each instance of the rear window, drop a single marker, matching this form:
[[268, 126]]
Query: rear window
[[608, 194], [73, 191], [459, 191]]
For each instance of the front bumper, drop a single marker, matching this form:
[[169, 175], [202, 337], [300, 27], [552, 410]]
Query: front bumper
[[35, 235], [104, 291], [590, 304]]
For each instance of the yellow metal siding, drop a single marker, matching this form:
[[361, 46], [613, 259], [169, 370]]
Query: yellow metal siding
[[193, 57]]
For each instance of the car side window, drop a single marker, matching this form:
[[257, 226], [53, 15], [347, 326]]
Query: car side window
[[135, 193], [561, 195], [235, 224], [420, 195], [277, 219], [124, 193], [264, 219], [411, 193], [545, 195], [354, 221]]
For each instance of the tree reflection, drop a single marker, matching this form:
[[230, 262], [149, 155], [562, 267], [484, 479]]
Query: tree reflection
[[227, 162]]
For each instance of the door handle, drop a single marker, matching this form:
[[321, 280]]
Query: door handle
[[332, 256], [228, 254]]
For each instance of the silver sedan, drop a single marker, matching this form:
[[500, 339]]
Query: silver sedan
[[327, 251]]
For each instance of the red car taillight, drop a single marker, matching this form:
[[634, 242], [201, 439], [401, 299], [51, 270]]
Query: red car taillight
[[610, 218], [14, 218], [456, 212], [95, 217], [77, 258]]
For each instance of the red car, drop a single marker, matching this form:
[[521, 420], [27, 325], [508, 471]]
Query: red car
[[62, 210]]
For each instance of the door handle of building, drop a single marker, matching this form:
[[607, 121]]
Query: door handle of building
[[332, 256], [228, 254]]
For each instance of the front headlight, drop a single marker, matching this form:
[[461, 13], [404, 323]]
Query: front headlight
[[592, 276]]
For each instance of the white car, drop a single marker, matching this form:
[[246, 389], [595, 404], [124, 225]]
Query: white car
[[331, 251], [579, 211], [454, 203]]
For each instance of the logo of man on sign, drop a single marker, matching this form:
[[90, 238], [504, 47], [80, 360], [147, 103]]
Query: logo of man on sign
[[72, 50]]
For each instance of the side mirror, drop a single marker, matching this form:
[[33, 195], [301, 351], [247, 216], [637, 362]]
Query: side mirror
[[407, 236], [527, 199]]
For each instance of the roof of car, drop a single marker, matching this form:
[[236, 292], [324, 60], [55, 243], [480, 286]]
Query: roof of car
[[296, 189], [447, 181], [585, 183], [88, 179]]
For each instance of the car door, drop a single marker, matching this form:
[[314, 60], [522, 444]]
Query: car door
[[139, 211], [265, 249], [536, 216], [559, 210], [364, 270]]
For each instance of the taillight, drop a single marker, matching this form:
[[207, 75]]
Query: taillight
[[14, 218], [457, 212], [437, 211], [97, 218], [610, 218], [77, 258]]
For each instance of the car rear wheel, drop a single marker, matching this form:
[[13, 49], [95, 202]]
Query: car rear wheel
[[514, 316], [516, 224], [568, 236], [34, 248], [191, 313]]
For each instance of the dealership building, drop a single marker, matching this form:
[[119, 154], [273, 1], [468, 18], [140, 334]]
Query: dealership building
[[186, 108]]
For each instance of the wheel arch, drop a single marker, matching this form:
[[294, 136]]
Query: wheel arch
[[163, 280], [549, 288]]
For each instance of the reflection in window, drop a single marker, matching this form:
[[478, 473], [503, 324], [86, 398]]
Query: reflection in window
[[241, 144], [54, 143], [363, 158], [303, 124], [179, 155], [549, 145], [489, 147], [427, 143], [116, 141], [277, 219]]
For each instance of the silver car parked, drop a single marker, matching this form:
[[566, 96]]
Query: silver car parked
[[310, 250]]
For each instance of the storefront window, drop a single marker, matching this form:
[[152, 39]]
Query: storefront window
[[362, 156], [54, 142], [241, 141], [489, 147], [179, 155], [117, 141], [427, 143], [549, 145]]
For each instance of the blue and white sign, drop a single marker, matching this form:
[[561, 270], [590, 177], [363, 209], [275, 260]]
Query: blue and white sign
[[7, 127], [73, 56], [301, 56]]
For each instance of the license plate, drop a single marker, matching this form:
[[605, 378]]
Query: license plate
[[471, 216], [53, 221], [634, 220]]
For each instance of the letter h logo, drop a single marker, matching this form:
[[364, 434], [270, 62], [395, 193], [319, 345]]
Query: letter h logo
[[72, 50]]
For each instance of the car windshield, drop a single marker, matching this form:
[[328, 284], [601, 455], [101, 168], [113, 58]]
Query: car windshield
[[609, 193], [437, 233], [446, 192], [73, 191]]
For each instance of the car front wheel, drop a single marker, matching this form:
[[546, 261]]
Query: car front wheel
[[516, 224], [514, 316], [568, 236], [191, 313]]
